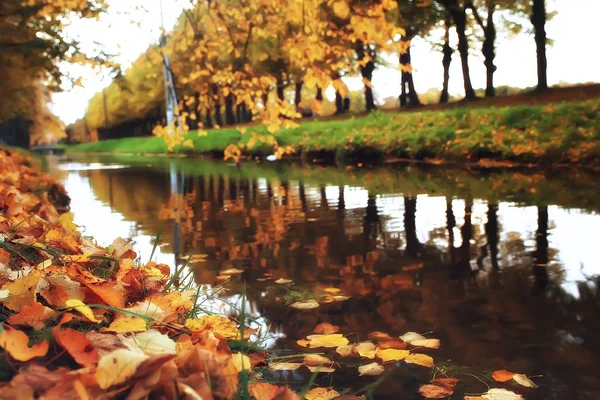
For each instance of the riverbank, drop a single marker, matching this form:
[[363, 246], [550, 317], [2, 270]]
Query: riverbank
[[562, 133], [80, 320]]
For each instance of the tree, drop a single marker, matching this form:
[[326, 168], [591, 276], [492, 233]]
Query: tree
[[457, 11], [538, 20], [488, 48]]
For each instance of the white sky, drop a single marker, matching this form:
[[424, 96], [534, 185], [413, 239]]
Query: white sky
[[571, 59]]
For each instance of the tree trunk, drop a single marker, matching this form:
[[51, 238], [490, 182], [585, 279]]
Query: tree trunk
[[413, 247], [459, 17], [366, 70], [319, 96], [217, 106], [540, 269], [208, 123], [446, 61], [280, 91], [491, 231], [538, 19], [339, 103], [464, 261], [298, 94], [489, 50], [409, 96], [229, 115], [450, 223]]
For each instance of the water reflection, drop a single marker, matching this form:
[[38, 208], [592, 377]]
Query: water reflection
[[503, 284]]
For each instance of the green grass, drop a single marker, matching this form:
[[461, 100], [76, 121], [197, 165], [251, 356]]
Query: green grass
[[566, 132]]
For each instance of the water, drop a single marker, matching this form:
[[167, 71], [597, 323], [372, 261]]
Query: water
[[501, 266]]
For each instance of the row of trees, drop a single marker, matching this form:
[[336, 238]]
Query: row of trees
[[235, 60], [32, 47]]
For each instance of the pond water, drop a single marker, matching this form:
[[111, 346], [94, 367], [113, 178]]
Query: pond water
[[501, 266]]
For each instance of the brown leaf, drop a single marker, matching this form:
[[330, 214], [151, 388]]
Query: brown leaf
[[435, 392], [448, 383], [326, 329], [379, 336], [393, 344], [39, 378]]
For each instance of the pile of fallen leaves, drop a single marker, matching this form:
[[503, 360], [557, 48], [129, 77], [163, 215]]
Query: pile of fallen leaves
[[80, 321]]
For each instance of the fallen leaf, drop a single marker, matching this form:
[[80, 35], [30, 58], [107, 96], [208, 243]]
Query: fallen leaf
[[379, 336], [419, 359], [282, 281], [410, 337], [435, 392], [303, 343], [241, 362], [151, 342], [393, 344], [34, 315], [392, 354], [111, 294], [333, 340], [16, 343], [429, 343], [326, 329], [448, 383], [118, 366], [285, 366], [316, 359], [267, 391], [320, 368], [222, 327], [126, 324], [305, 305], [366, 349], [372, 369], [321, 394], [231, 271], [345, 350], [501, 394], [83, 309], [332, 290], [523, 380], [22, 292], [77, 345], [502, 375]]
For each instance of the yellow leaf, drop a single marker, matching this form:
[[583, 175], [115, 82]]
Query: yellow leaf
[[345, 350], [392, 354], [22, 292], [429, 343], [126, 324], [66, 220], [316, 359], [241, 362], [321, 394], [341, 9], [222, 327], [118, 366], [333, 340], [372, 369], [366, 349], [305, 305], [83, 309], [419, 359]]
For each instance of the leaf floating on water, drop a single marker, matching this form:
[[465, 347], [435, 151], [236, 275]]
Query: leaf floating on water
[[429, 343], [316, 359], [231, 271], [449, 383], [320, 368], [303, 342], [267, 391], [223, 277], [339, 298], [332, 290], [523, 380], [326, 329], [321, 394], [372, 369], [285, 366], [305, 305], [420, 359], [502, 375], [366, 349], [282, 281], [263, 279], [435, 392], [345, 350], [392, 354], [393, 344], [500, 394], [410, 337], [334, 340], [379, 336]]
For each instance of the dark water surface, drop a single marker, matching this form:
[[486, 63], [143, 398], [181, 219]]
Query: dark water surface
[[501, 266]]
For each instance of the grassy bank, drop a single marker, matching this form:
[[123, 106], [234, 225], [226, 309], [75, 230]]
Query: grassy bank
[[566, 133]]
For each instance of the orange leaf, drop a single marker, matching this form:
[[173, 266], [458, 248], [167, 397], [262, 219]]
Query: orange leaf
[[502, 375], [435, 392], [448, 383], [109, 293], [267, 391], [326, 329], [16, 343], [76, 344], [33, 315]]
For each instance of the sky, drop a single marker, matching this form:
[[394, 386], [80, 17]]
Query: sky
[[571, 57]]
